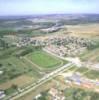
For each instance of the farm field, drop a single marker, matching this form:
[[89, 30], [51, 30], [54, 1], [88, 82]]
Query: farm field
[[89, 73], [41, 88], [90, 30], [16, 71], [44, 60], [19, 81], [15, 67], [91, 55]]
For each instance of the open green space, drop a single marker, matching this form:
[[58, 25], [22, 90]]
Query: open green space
[[13, 66], [44, 60], [91, 74], [90, 55]]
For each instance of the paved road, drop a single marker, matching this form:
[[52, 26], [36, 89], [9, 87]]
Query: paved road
[[40, 81]]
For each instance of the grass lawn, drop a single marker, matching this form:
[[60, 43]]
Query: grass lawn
[[43, 59]]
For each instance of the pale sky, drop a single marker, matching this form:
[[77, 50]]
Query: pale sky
[[29, 7]]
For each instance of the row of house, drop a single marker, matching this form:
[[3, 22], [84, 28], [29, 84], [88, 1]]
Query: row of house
[[68, 50], [55, 40]]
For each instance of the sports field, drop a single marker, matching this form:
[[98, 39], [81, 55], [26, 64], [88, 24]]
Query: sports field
[[44, 60]]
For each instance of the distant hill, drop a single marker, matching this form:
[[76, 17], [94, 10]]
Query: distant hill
[[36, 22]]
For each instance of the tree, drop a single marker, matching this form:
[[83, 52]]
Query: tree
[[0, 65], [14, 86]]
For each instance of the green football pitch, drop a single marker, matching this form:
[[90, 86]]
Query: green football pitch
[[44, 60]]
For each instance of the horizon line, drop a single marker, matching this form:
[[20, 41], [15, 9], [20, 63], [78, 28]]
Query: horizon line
[[49, 14]]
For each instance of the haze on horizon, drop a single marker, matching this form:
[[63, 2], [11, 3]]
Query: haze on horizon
[[29, 7]]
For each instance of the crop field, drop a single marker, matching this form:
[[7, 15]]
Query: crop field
[[84, 30], [44, 60], [19, 81], [91, 55], [13, 69], [43, 87], [16, 69], [89, 73]]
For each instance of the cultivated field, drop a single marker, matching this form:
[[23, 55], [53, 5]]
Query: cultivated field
[[90, 55], [20, 81], [16, 71], [41, 88], [89, 73], [83, 30]]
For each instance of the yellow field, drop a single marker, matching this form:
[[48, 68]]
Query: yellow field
[[19, 81], [84, 29]]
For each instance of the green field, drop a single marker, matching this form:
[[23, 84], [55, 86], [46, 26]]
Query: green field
[[91, 54], [89, 73], [14, 67], [44, 60]]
